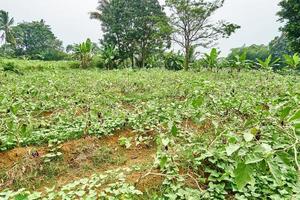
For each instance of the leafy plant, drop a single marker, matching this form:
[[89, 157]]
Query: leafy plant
[[109, 54], [268, 63], [240, 61], [211, 59], [173, 61], [84, 52], [125, 142], [292, 61]]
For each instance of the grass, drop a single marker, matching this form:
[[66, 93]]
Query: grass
[[197, 122]]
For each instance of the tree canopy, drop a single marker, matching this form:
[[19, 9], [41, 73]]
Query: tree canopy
[[35, 38], [290, 15], [137, 28], [6, 24], [191, 20]]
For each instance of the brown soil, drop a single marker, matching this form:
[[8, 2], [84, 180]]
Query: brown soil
[[77, 160]]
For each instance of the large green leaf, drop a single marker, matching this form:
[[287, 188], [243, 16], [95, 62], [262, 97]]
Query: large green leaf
[[232, 148], [243, 175], [295, 116], [275, 171]]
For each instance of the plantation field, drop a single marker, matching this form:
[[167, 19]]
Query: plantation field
[[149, 134]]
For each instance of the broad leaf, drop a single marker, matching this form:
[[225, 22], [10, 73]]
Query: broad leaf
[[243, 175], [232, 148], [295, 116], [248, 136]]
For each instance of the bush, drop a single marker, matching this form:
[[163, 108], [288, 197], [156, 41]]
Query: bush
[[52, 55], [97, 61], [173, 61]]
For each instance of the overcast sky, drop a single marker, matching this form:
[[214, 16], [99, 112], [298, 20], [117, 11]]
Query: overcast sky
[[70, 21]]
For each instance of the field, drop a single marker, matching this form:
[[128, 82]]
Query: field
[[148, 134]]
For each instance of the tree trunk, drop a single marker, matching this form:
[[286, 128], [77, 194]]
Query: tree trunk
[[186, 58]]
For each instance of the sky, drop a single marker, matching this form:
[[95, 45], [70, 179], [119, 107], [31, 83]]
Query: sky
[[70, 21]]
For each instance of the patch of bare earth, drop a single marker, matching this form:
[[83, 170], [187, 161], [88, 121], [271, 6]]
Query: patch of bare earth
[[80, 158]]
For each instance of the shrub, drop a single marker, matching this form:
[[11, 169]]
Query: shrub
[[173, 61]]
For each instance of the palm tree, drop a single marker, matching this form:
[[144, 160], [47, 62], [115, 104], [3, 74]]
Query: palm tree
[[6, 28]]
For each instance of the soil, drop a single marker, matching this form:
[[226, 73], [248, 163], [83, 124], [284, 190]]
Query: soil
[[77, 160]]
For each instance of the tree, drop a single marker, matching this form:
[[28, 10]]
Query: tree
[[192, 24], [137, 28], [280, 46], [34, 39], [6, 24], [290, 14]]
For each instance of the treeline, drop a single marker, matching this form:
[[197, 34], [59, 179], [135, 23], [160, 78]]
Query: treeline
[[140, 34]]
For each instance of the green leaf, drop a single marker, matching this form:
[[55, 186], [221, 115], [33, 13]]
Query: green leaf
[[283, 113], [243, 175], [232, 148], [295, 117], [253, 158], [275, 171], [163, 161], [174, 130], [248, 136], [197, 102], [285, 157]]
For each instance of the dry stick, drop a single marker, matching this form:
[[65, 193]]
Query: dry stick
[[217, 137], [195, 182]]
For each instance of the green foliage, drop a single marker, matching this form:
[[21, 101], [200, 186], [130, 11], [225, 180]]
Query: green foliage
[[252, 52], [193, 27], [290, 15], [6, 27], [83, 52], [280, 46], [173, 61], [217, 136], [292, 61], [240, 61], [268, 63], [138, 29], [110, 57], [35, 40], [211, 59]]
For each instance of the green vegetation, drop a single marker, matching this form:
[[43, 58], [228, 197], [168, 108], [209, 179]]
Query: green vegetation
[[131, 119], [191, 21], [217, 135], [290, 15]]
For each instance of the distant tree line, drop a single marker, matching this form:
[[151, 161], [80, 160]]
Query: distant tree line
[[139, 34]]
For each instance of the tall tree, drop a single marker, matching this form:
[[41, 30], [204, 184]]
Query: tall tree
[[193, 27], [138, 28], [35, 38], [6, 24], [290, 14], [280, 46]]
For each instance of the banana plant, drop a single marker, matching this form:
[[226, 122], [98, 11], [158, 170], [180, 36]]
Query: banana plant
[[211, 59], [109, 55], [240, 61], [84, 52], [267, 64], [292, 61]]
